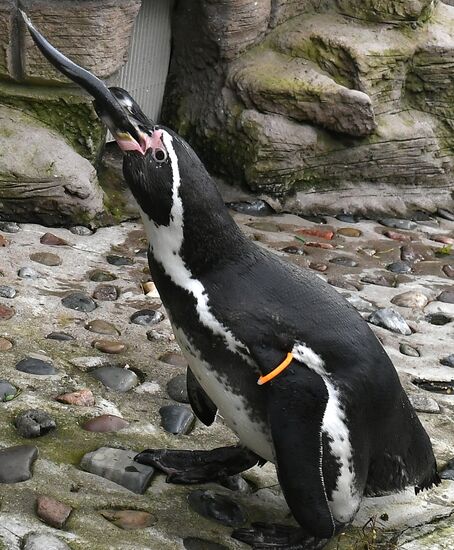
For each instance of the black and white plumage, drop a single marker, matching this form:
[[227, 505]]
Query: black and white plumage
[[336, 422]]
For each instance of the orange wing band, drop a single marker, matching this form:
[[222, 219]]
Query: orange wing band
[[285, 363]]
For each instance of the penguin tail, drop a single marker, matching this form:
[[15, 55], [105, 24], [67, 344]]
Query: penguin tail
[[428, 483]]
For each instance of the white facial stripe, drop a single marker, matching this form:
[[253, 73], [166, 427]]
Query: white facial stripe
[[345, 499], [165, 245]]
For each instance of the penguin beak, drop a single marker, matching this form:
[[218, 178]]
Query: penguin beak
[[121, 124]]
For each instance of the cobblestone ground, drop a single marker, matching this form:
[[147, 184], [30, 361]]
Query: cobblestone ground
[[91, 289]]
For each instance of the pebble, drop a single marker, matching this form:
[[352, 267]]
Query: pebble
[[448, 361], [412, 298], [406, 349], [6, 312], [32, 365], [174, 359], [100, 276], [325, 246], [128, 519], [379, 280], [116, 378], [34, 423], [396, 223], [52, 511], [296, 250], [236, 483], [446, 214], [447, 296], [395, 236], [5, 344], [118, 465], [7, 391], [46, 258], [391, 320], [9, 227], [444, 239], [219, 507], [60, 336], [318, 266], [106, 293], [344, 261], [52, 240], [81, 230], [7, 291], [314, 218], [99, 326], [194, 543], [113, 259], [79, 301], [82, 398], [399, 267], [43, 541], [177, 390], [88, 363], [3, 242], [347, 218], [176, 419], [253, 208], [321, 232], [360, 303], [424, 404], [448, 270], [438, 319], [448, 471], [349, 232], [16, 463], [109, 346], [27, 273], [159, 336], [409, 254], [147, 317], [265, 226], [105, 423], [339, 282]]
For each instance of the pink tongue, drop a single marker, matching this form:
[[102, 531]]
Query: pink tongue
[[128, 145]]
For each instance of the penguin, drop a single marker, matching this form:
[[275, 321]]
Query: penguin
[[290, 365]]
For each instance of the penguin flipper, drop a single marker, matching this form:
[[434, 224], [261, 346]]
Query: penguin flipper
[[201, 404], [296, 403]]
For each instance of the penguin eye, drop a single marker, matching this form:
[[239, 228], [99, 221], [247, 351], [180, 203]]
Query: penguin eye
[[159, 155]]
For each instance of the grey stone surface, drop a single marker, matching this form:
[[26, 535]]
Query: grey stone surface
[[44, 541], [391, 320], [16, 463], [116, 378]]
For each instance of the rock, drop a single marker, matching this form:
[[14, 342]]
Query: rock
[[340, 282], [79, 301], [318, 266], [391, 320], [349, 232], [119, 260], [438, 319], [293, 250], [7, 291], [176, 419], [412, 298], [7, 391], [34, 423], [326, 246], [444, 239], [448, 472], [398, 224], [81, 230], [448, 361], [177, 390], [406, 349], [159, 336], [5, 344], [44, 180], [360, 304], [105, 293], [399, 267], [88, 363], [102, 327], [100, 276], [60, 336], [81, 398], [3, 242], [174, 359], [52, 240], [16, 463], [147, 317], [194, 543], [27, 273], [52, 511], [105, 423], [347, 218], [408, 253], [386, 11], [219, 507], [253, 208], [445, 214], [32, 365], [446, 296], [43, 541], [9, 227], [236, 483], [314, 218], [6, 312], [321, 232], [344, 261], [116, 378], [119, 466], [424, 404], [395, 236], [109, 346], [448, 270], [380, 280], [129, 519], [265, 226]]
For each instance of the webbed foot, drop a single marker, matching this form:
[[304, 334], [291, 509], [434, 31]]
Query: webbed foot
[[263, 536]]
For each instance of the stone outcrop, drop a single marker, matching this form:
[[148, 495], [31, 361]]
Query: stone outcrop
[[95, 34], [329, 95]]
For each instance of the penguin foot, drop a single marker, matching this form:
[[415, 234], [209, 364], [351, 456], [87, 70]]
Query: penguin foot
[[187, 467], [263, 536]]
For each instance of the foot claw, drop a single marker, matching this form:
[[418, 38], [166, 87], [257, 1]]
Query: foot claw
[[262, 536]]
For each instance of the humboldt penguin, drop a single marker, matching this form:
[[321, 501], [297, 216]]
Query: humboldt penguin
[[291, 366]]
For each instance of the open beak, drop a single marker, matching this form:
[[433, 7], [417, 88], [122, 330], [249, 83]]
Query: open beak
[[127, 134]]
